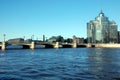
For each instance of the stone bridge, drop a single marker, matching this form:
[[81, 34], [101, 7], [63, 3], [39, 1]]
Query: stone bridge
[[32, 45]]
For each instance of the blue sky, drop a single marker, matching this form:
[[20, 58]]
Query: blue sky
[[20, 18]]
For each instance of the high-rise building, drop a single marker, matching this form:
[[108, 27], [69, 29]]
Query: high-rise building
[[101, 30], [43, 38], [118, 36]]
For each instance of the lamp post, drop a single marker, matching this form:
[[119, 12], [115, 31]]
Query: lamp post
[[32, 37], [24, 38], [46, 39], [4, 36]]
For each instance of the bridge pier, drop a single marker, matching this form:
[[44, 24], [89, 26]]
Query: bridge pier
[[3, 46], [74, 45], [89, 46], [56, 45], [32, 45]]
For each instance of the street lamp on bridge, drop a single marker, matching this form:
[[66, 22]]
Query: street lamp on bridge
[[32, 37], [4, 36]]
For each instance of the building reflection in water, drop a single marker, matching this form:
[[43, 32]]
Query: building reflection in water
[[103, 62]]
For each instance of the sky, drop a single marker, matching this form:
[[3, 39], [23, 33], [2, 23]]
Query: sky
[[24, 18]]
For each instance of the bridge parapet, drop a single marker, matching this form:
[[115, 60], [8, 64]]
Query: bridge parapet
[[18, 43]]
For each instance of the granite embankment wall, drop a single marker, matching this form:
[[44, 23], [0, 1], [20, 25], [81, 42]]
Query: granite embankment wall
[[107, 45]]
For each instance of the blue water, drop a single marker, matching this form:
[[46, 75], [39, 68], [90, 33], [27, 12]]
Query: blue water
[[60, 64]]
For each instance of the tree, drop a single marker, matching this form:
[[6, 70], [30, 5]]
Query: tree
[[68, 40], [59, 39]]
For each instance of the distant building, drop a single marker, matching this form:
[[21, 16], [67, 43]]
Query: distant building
[[118, 36], [16, 40], [74, 39], [101, 30], [78, 40], [56, 39], [44, 38]]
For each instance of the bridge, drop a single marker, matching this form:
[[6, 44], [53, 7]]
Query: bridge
[[4, 45], [33, 45]]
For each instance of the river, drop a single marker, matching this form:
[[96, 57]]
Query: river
[[60, 64]]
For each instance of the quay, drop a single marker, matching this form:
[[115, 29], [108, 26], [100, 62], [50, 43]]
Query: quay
[[32, 45]]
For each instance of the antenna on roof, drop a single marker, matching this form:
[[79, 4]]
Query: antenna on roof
[[101, 11]]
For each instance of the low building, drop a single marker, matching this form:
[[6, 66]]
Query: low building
[[16, 40], [78, 40]]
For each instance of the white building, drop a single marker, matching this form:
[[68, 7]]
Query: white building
[[101, 30]]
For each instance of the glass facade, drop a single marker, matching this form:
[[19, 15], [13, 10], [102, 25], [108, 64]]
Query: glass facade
[[101, 30]]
